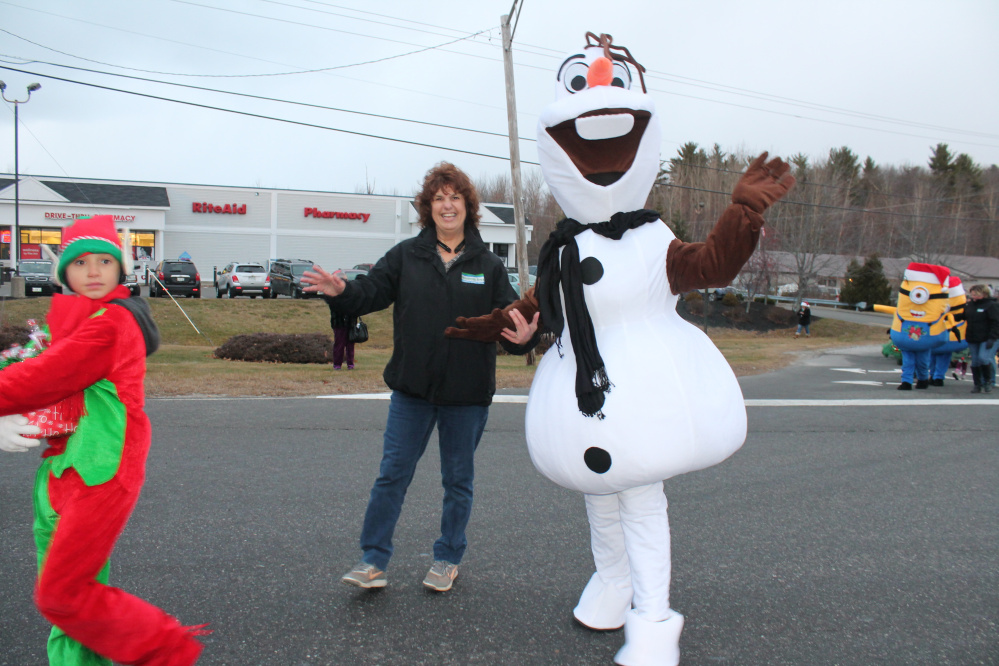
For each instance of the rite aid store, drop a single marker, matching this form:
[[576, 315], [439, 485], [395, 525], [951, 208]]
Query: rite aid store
[[216, 225]]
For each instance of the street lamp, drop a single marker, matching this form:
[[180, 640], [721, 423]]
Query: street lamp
[[15, 236]]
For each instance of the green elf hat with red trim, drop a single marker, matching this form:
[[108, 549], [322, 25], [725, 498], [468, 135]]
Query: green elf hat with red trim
[[88, 235]]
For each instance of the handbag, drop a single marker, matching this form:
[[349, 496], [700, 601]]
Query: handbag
[[358, 333]]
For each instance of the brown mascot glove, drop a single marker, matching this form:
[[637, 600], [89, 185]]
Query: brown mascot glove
[[763, 184], [487, 327]]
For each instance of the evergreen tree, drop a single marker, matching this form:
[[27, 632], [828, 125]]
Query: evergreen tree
[[866, 283]]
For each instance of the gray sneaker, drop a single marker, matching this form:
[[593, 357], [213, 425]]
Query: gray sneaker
[[441, 576], [365, 575]]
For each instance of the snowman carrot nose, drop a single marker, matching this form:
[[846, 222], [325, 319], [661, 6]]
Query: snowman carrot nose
[[601, 72]]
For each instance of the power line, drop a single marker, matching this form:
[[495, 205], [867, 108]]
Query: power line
[[697, 83], [875, 211], [261, 97], [261, 116], [826, 185], [244, 76]]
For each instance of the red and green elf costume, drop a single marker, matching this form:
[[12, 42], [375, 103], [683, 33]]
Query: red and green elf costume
[[90, 480]]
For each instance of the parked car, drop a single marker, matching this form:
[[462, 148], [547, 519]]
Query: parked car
[[349, 274], [39, 278], [286, 277], [179, 278], [721, 292], [132, 282], [364, 267], [243, 279], [515, 281]]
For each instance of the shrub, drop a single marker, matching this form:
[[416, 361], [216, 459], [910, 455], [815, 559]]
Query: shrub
[[730, 299], [11, 335], [693, 296], [278, 348], [695, 306]]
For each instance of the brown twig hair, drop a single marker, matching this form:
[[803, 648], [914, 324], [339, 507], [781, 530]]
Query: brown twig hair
[[606, 42]]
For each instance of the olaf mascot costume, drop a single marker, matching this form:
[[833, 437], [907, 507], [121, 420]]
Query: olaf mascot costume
[[634, 394]]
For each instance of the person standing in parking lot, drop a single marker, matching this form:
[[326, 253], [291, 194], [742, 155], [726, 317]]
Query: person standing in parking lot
[[982, 315], [444, 273], [342, 346]]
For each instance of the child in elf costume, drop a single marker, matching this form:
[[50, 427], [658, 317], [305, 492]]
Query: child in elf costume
[[90, 478]]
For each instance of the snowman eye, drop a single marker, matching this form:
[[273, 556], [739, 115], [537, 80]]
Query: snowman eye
[[622, 76], [574, 76]]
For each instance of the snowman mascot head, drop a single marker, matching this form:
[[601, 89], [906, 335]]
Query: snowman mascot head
[[599, 141]]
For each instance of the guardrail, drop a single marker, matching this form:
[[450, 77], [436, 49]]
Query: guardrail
[[815, 301]]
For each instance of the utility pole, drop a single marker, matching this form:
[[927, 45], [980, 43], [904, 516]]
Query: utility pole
[[518, 191]]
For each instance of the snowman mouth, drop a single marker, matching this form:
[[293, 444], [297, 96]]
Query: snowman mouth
[[602, 144]]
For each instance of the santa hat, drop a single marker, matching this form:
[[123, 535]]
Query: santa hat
[[928, 273], [954, 287], [89, 235]]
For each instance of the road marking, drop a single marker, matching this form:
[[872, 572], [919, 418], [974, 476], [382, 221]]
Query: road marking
[[898, 402], [861, 371], [522, 399], [861, 382], [510, 399]]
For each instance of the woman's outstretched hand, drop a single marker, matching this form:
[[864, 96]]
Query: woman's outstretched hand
[[522, 331], [321, 282]]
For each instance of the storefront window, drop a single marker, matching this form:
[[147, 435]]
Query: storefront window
[[502, 250]]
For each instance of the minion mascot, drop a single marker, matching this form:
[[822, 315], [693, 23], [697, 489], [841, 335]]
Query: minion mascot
[[956, 341], [921, 323], [633, 394]]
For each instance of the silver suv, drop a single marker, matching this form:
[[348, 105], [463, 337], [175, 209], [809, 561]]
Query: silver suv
[[243, 279]]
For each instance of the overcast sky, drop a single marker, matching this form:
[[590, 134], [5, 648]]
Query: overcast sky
[[887, 78]]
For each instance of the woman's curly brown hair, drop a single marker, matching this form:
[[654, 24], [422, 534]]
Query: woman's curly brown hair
[[445, 174]]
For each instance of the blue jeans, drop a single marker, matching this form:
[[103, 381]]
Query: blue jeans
[[983, 354], [411, 421], [803, 326]]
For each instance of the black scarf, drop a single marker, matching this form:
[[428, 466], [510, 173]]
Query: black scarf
[[591, 376]]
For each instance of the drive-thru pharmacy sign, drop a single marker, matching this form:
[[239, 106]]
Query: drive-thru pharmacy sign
[[315, 212]]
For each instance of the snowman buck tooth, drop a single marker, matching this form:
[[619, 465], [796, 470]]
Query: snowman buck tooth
[[593, 128]]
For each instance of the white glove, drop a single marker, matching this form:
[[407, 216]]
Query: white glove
[[13, 429]]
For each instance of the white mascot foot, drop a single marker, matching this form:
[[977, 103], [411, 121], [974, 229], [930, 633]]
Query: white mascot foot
[[650, 643], [602, 607]]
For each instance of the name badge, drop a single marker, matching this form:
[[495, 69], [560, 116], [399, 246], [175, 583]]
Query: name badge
[[473, 278]]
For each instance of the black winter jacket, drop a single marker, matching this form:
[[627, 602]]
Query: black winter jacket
[[341, 320], [983, 320], [424, 362]]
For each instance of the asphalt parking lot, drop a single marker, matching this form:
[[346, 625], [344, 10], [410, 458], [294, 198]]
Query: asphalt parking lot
[[857, 525]]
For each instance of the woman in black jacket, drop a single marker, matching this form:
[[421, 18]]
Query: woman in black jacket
[[444, 273], [982, 333], [343, 348]]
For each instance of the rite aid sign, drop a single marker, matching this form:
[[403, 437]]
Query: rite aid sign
[[224, 209]]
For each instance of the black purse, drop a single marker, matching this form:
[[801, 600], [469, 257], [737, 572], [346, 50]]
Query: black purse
[[358, 333]]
